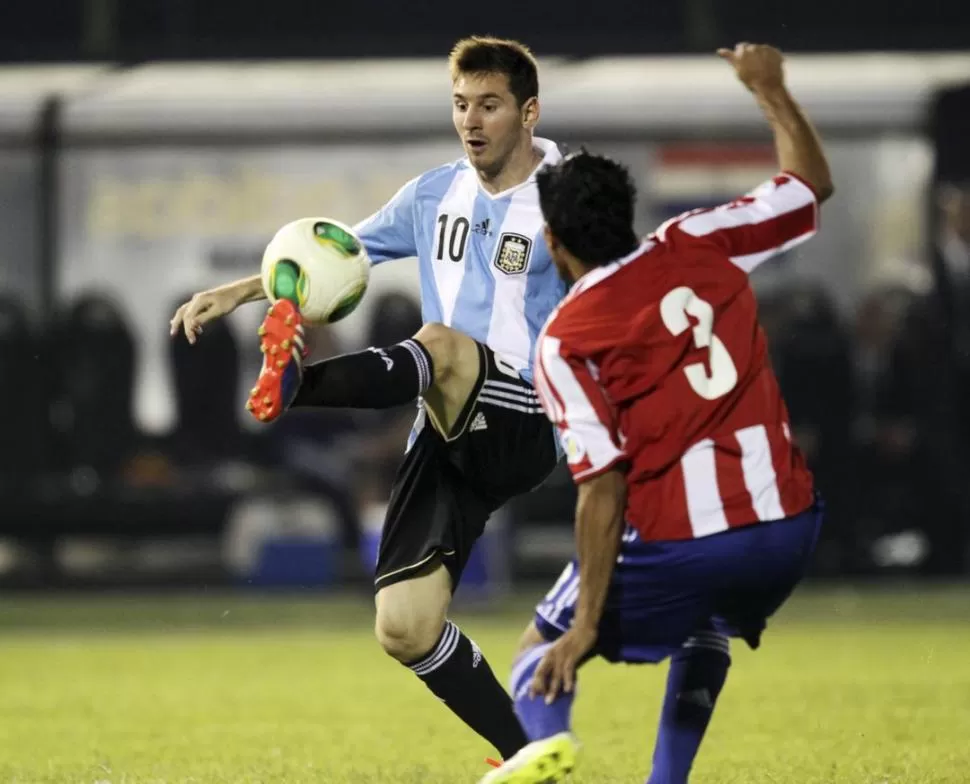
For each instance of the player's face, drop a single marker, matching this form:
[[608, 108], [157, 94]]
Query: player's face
[[488, 119]]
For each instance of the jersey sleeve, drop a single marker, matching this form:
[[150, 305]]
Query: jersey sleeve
[[390, 232], [578, 407], [778, 215]]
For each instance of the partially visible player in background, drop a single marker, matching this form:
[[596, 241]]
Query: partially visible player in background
[[696, 514], [488, 285]]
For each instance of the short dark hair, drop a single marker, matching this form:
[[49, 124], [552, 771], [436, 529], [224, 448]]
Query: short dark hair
[[588, 203], [486, 55]]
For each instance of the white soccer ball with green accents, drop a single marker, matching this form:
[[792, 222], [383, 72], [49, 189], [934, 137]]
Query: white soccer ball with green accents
[[320, 265]]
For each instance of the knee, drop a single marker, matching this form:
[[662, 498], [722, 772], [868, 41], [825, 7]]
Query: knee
[[450, 351], [530, 638], [407, 636]]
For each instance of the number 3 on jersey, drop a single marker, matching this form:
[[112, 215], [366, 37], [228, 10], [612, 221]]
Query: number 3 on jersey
[[675, 308]]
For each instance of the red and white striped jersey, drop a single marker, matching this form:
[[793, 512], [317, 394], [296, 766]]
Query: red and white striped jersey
[[657, 362]]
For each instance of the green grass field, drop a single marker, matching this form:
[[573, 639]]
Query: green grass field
[[850, 686]]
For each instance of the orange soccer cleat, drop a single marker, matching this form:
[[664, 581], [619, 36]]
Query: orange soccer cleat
[[281, 341]]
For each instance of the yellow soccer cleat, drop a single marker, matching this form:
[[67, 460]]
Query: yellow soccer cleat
[[543, 762]]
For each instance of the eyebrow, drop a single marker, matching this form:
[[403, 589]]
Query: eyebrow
[[484, 97]]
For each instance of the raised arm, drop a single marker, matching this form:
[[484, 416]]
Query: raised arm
[[215, 303], [761, 69], [782, 212], [387, 234]]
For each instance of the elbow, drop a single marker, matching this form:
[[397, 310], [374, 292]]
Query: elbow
[[822, 180], [815, 176], [824, 189]]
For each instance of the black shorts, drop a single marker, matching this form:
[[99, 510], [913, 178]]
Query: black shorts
[[501, 446]]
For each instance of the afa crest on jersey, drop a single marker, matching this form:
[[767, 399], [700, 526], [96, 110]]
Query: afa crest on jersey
[[513, 253]]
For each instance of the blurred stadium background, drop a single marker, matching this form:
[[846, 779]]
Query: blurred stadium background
[[149, 148]]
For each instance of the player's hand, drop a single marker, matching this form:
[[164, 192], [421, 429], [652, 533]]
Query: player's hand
[[204, 307], [557, 670], [759, 67]]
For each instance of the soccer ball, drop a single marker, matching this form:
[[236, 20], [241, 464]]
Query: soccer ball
[[320, 265]]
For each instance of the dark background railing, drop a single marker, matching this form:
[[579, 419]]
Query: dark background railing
[[134, 30]]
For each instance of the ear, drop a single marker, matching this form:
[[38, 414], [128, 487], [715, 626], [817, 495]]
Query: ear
[[530, 113], [551, 242]]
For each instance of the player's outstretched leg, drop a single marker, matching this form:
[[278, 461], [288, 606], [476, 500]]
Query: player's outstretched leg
[[373, 378], [412, 627], [697, 674]]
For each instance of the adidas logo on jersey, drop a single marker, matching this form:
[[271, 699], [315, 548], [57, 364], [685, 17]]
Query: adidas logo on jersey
[[478, 423], [483, 228]]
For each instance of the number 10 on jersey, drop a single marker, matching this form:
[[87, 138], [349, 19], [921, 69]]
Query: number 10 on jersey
[[452, 237]]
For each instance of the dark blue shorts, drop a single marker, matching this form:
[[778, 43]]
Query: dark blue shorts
[[662, 593]]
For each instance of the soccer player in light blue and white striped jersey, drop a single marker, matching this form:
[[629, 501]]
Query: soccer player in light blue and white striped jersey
[[488, 285], [485, 269]]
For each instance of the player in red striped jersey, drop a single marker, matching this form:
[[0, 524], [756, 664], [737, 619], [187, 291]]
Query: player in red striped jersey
[[677, 383], [696, 514]]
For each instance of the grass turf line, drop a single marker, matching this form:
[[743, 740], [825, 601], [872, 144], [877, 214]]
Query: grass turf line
[[869, 687]]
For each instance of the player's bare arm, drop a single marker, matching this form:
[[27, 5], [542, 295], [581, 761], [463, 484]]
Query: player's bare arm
[[761, 69], [215, 303], [599, 527]]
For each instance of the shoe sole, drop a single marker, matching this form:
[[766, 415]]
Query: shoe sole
[[265, 398]]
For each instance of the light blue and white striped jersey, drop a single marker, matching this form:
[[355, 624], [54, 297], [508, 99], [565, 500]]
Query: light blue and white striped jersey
[[484, 266]]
